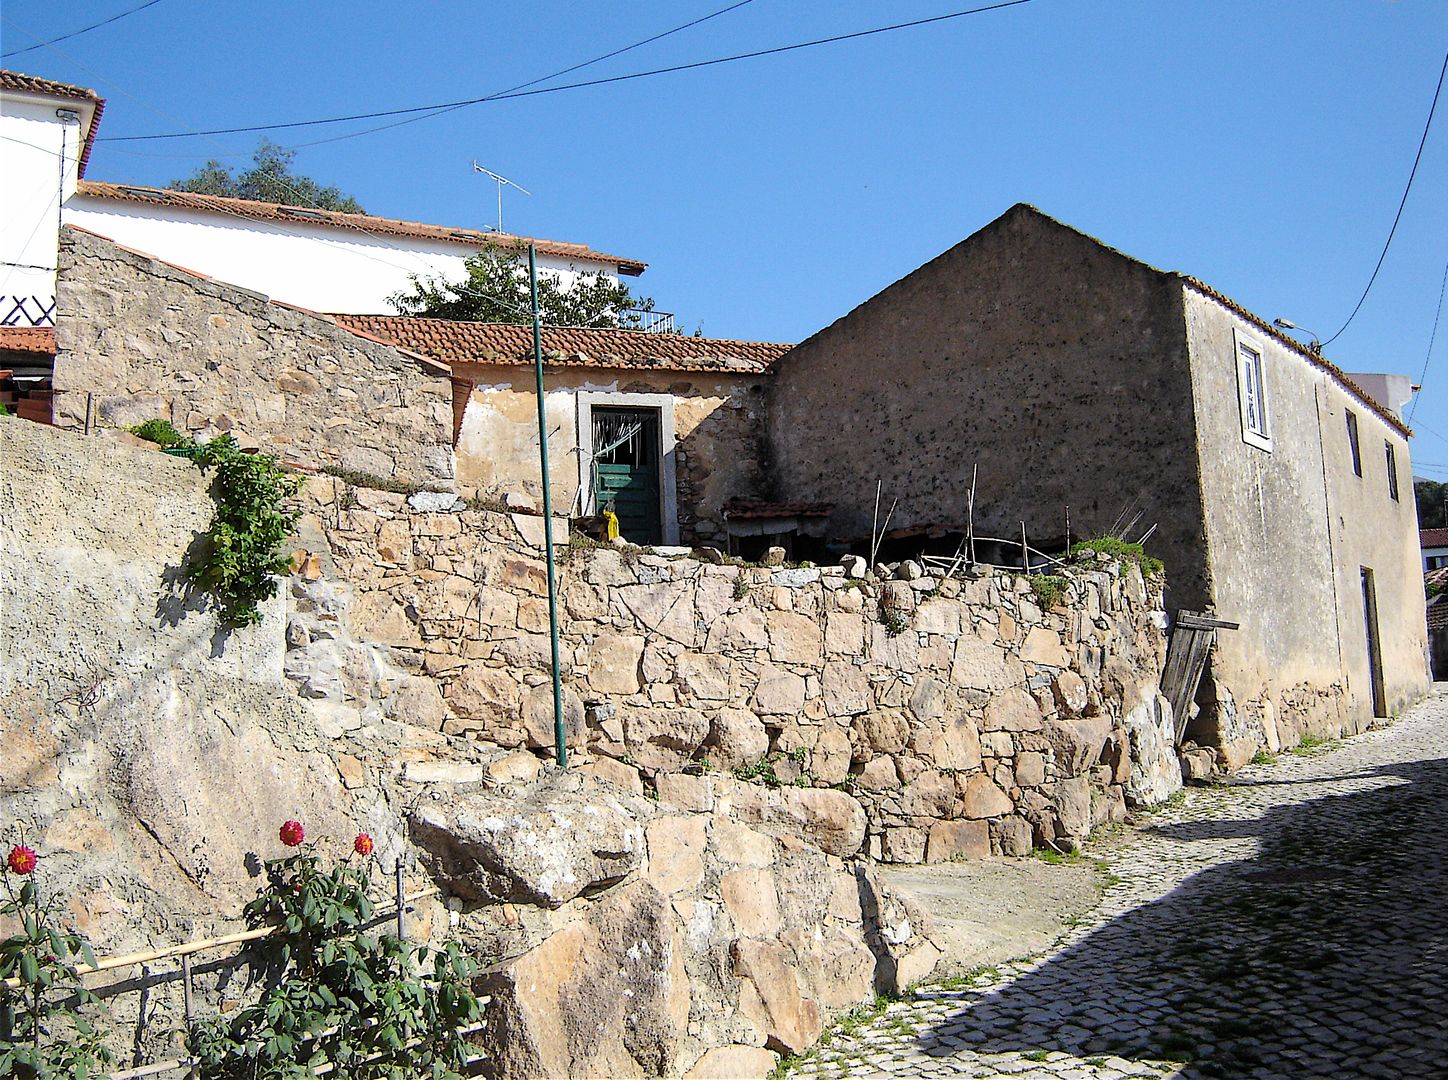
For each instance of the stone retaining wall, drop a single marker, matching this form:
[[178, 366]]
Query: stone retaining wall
[[140, 339], [963, 718]]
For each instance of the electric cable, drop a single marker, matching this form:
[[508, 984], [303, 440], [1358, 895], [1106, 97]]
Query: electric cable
[[1423, 378], [77, 33], [1402, 203], [510, 95]]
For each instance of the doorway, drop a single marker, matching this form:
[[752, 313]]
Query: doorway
[[626, 470], [1375, 649]]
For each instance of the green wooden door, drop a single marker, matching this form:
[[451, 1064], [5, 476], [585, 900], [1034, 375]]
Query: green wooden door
[[626, 470]]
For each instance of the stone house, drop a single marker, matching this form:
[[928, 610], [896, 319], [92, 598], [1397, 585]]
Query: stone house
[[664, 428], [1079, 377]]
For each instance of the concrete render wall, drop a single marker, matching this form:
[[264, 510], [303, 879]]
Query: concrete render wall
[[138, 339], [1049, 361], [718, 436], [1284, 524], [963, 718]]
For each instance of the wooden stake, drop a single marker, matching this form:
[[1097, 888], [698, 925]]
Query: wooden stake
[[1025, 551], [186, 1004], [970, 514], [401, 905]]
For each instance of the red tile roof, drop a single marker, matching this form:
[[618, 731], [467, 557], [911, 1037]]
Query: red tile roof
[[39, 340], [366, 223], [33, 84], [759, 508], [569, 346], [1433, 538]]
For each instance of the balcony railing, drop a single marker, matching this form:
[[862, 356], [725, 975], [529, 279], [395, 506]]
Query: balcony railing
[[651, 322]]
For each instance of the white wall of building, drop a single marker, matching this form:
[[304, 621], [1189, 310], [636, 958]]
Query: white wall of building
[[313, 266], [40, 152]]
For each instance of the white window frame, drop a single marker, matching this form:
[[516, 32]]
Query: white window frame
[[586, 401], [1250, 359]]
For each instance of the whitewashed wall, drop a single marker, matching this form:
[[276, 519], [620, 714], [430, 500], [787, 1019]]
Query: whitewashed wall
[[313, 266], [38, 156]]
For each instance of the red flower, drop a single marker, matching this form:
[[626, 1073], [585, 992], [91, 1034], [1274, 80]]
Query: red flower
[[22, 859], [292, 834], [363, 844]]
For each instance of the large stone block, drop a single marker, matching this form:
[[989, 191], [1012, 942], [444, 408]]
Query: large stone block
[[793, 638], [613, 663], [676, 847], [1012, 710], [1077, 744], [779, 691], [769, 996], [984, 798], [545, 848], [829, 819], [736, 737], [664, 738], [959, 839], [605, 996], [844, 688]]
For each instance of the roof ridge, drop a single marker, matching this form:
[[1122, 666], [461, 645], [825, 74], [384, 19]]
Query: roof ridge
[[261, 209], [568, 326]]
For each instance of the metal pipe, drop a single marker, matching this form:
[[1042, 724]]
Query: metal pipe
[[401, 904], [560, 737]]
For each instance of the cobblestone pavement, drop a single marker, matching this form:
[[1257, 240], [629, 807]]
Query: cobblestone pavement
[[1291, 924]]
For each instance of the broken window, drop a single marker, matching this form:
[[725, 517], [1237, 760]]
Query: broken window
[[1352, 442]]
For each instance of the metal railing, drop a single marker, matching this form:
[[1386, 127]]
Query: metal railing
[[650, 322], [184, 953]]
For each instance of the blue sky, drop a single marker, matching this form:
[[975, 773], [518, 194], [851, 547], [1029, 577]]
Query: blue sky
[[1260, 146]]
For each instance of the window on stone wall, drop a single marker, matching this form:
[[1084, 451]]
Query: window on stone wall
[[1352, 442], [1252, 392], [1392, 470]]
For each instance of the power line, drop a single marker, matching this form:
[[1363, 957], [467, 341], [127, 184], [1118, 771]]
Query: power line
[[82, 30], [1402, 203], [1431, 339], [507, 95]]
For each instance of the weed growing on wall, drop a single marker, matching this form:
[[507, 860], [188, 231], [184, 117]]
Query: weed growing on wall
[[242, 553], [161, 432], [1120, 550], [1049, 589], [333, 995], [43, 1029]]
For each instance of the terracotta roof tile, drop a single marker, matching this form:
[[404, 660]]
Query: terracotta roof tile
[[33, 84], [567, 346], [761, 508], [39, 340], [367, 223], [1433, 538]]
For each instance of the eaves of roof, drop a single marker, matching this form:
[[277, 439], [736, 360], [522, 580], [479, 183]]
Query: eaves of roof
[[363, 223], [456, 342], [1316, 359], [33, 84]]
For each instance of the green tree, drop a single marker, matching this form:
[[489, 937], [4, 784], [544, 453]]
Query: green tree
[[270, 179], [1432, 499], [496, 290]]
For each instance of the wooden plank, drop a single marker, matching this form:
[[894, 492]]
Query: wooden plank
[[1192, 621]]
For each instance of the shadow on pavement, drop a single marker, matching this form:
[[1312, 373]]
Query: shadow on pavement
[[1324, 956]]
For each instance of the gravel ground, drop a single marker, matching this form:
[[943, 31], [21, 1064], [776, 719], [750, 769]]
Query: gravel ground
[[1288, 925]]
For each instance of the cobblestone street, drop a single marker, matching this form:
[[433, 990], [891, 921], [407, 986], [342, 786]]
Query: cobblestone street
[[1288, 925]]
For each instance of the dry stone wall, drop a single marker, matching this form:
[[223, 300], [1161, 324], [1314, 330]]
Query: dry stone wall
[[139, 339], [914, 720]]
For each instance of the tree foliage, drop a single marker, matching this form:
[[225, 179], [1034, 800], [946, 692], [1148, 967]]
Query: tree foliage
[[496, 290], [270, 179], [1432, 499]]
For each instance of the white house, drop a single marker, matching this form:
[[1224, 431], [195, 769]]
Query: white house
[[315, 259], [46, 133]]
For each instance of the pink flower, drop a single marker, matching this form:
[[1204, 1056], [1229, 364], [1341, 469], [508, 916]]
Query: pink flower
[[22, 859], [292, 834], [363, 844]]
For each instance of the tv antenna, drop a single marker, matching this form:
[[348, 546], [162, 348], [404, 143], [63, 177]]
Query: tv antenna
[[501, 180]]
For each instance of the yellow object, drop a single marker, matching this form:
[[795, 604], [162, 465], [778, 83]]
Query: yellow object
[[610, 526]]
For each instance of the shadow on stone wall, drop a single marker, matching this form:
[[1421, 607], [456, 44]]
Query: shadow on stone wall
[[1322, 956]]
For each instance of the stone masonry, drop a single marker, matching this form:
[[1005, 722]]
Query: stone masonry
[[962, 718], [139, 339]]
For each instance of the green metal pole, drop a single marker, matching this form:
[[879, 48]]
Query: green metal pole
[[560, 737]]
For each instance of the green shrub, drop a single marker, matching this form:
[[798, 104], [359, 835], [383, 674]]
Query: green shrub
[[160, 432], [1120, 550], [242, 554]]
